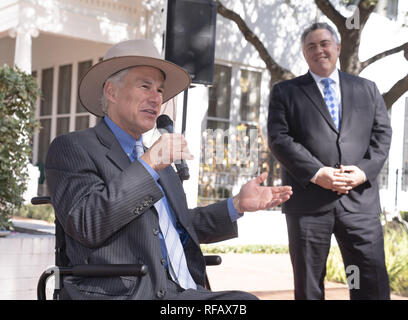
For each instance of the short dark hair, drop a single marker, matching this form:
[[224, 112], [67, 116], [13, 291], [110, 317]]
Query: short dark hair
[[316, 26]]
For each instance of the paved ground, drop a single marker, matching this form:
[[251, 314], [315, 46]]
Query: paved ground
[[268, 276]]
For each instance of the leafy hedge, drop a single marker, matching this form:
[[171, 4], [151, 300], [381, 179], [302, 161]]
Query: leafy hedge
[[18, 94], [44, 212], [270, 249]]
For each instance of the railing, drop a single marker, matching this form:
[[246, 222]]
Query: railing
[[216, 186]]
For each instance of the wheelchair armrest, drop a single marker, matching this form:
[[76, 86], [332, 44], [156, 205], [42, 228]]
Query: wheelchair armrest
[[89, 270], [212, 260], [41, 200], [105, 270]]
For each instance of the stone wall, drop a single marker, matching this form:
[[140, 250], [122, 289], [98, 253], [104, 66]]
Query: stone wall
[[23, 258]]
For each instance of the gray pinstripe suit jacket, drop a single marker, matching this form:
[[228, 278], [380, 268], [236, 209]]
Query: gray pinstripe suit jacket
[[105, 205]]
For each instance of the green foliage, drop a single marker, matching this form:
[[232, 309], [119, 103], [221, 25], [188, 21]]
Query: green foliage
[[18, 94], [335, 266], [44, 212], [396, 259], [269, 249], [366, 3]]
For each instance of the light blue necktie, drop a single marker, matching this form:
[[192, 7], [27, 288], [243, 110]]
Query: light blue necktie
[[331, 101], [138, 149], [177, 260]]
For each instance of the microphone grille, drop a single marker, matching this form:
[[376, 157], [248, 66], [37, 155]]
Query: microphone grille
[[163, 121]]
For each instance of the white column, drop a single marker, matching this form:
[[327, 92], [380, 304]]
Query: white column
[[23, 34], [197, 105]]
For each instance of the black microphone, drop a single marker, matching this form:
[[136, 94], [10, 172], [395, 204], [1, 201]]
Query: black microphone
[[164, 123]]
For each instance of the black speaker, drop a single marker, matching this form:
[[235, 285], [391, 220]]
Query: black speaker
[[190, 37]]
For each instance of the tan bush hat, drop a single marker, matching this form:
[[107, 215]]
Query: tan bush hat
[[124, 55]]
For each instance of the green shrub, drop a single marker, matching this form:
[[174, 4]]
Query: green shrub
[[404, 215], [335, 266], [269, 249], [396, 259], [18, 94], [44, 212]]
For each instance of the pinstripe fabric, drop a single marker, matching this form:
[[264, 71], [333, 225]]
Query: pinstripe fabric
[[106, 207], [177, 259]]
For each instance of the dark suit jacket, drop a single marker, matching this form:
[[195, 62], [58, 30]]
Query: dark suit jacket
[[105, 205], [303, 138]]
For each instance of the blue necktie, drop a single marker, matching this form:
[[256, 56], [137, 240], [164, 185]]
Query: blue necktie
[[137, 150], [177, 260], [331, 101]]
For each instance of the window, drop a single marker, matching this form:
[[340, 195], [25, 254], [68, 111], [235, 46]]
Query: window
[[220, 99], [46, 87], [387, 8], [230, 140], [250, 95], [47, 80], [382, 178], [64, 99], [82, 69], [58, 115], [82, 115]]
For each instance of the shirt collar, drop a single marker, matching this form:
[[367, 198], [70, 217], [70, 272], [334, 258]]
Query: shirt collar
[[334, 76], [126, 141]]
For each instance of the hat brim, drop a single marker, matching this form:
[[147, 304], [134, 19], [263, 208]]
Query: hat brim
[[91, 85]]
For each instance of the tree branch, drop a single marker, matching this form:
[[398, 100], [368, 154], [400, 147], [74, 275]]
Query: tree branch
[[384, 54], [327, 8], [277, 72], [366, 8], [397, 90]]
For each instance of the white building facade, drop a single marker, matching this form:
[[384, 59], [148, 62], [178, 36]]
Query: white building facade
[[59, 40]]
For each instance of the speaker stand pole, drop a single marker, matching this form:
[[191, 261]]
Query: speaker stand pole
[[183, 124]]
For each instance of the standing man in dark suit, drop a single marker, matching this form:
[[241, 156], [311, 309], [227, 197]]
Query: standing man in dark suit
[[120, 203], [331, 132]]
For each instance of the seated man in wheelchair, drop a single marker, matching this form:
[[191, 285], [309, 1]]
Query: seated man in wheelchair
[[120, 203]]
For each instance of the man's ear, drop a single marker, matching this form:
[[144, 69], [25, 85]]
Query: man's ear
[[110, 92]]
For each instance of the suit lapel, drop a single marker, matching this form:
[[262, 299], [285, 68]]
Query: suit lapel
[[347, 98], [115, 152], [309, 87]]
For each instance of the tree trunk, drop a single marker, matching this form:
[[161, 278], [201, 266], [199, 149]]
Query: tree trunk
[[277, 72]]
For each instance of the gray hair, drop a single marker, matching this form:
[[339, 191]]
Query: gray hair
[[117, 80], [316, 26]]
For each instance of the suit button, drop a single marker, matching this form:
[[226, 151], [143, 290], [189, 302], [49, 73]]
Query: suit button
[[160, 294], [155, 231], [162, 261]]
